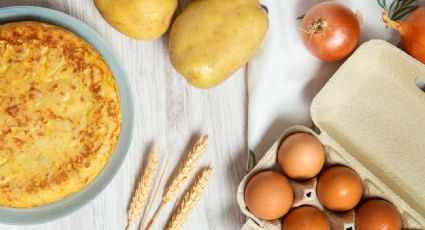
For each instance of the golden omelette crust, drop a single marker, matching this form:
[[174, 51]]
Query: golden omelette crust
[[59, 114]]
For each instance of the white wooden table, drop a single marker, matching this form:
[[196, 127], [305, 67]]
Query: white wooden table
[[169, 114]]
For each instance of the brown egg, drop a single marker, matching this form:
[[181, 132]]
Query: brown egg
[[339, 189], [268, 195], [378, 215], [306, 218], [301, 156]]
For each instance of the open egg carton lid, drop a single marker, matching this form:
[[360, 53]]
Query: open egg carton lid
[[372, 113]]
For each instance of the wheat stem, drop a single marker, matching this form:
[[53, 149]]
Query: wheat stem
[[155, 217], [143, 189], [185, 170], [191, 198], [153, 198]]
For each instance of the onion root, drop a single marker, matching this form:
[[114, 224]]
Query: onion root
[[318, 25]]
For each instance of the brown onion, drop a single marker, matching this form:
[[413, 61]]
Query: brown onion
[[412, 32], [330, 31]]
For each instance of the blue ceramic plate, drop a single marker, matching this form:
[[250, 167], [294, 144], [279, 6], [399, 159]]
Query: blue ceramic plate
[[77, 200]]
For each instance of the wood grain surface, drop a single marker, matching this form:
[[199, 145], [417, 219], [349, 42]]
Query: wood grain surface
[[171, 115]]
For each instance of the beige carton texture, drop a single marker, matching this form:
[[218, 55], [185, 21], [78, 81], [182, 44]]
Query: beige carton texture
[[370, 117]]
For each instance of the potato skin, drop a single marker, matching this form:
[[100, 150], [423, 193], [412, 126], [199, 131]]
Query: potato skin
[[139, 19], [211, 39]]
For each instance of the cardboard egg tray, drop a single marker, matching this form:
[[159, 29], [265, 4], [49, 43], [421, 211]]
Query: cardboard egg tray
[[370, 117]]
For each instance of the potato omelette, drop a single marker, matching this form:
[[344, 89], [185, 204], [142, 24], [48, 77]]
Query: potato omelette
[[60, 115]]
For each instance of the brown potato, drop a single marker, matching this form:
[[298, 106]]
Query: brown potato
[[211, 39]]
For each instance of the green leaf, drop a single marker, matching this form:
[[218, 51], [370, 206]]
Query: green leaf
[[252, 161], [383, 4], [301, 17], [408, 3], [399, 2], [400, 13], [392, 7]]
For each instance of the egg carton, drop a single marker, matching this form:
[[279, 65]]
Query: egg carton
[[369, 117]]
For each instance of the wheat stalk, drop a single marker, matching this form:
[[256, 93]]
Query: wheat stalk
[[190, 200], [143, 189], [185, 169], [153, 198]]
